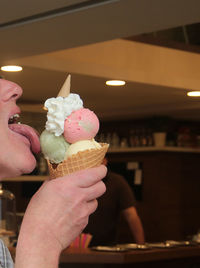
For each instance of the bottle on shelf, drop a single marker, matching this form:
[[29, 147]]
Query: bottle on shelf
[[42, 165], [124, 143], [143, 138], [149, 137], [132, 138], [8, 223], [101, 137], [137, 138], [108, 139], [115, 140]]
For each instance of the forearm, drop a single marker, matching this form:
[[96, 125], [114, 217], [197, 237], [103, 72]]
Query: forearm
[[135, 225], [137, 231]]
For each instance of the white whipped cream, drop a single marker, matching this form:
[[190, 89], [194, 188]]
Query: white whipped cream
[[58, 109]]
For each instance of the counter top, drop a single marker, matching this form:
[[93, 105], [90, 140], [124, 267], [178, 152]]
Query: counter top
[[76, 255]]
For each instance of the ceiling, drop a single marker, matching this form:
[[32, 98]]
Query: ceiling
[[96, 40]]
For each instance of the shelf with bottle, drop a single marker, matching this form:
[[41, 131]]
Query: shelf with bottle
[[138, 137], [155, 149], [146, 139]]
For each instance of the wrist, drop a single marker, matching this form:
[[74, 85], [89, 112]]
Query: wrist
[[36, 248]]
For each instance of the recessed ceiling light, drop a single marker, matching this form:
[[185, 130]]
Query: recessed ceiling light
[[115, 83], [11, 68], [193, 93]]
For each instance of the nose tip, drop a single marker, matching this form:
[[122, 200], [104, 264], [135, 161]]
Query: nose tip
[[17, 92], [9, 90]]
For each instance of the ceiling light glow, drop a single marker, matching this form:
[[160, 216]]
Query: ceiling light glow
[[115, 83], [193, 93], [11, 68]]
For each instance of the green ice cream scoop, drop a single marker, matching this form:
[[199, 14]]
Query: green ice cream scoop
[[53, 147]]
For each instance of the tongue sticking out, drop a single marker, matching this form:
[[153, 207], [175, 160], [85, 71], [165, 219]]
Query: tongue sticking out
[[29, 133]]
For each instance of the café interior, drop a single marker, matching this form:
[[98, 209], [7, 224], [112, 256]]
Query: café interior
[[154, 47]]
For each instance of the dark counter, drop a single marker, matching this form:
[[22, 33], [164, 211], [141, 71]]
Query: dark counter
[[173, 257]]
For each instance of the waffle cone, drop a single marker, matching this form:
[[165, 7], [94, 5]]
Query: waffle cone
[[82, 160]]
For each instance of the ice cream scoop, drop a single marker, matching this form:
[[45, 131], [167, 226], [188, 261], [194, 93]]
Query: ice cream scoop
[[54, 148], [82, 124], [80, 146], [58, 109]]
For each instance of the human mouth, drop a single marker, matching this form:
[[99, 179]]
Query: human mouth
[[26, 131], [14, 119]]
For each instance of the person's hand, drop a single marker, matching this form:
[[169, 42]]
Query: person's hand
[[57, 214]]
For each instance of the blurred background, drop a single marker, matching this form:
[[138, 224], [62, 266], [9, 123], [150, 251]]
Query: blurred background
[[154, 47]]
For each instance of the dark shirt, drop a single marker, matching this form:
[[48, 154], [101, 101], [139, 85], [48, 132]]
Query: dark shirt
[[103, 222]]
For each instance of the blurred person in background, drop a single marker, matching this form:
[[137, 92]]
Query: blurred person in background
[[117, 201]]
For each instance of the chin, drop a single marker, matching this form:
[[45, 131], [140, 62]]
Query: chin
[[23, 167], [29, 166]]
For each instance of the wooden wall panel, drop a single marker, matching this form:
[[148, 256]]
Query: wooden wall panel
[[171, 193]]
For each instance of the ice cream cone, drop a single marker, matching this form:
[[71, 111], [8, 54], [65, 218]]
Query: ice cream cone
[[82, 160]]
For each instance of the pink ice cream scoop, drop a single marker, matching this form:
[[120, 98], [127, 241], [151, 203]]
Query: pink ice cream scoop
[[82, 124]]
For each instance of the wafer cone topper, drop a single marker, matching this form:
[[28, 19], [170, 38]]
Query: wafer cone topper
[[65, 89]]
